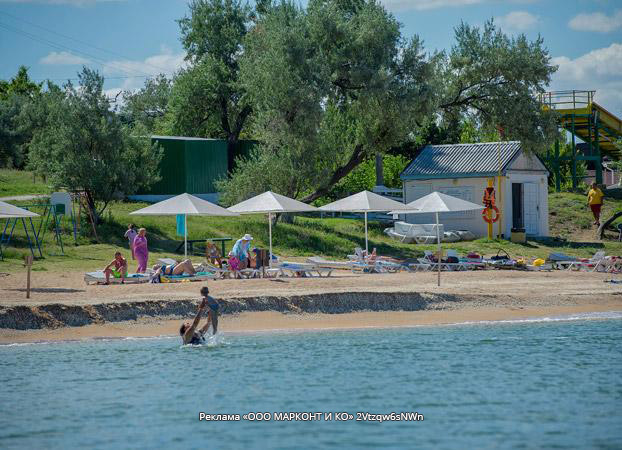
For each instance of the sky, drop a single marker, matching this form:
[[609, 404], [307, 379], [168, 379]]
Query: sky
[[129, 40]]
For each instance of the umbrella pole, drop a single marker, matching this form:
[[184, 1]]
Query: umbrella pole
[[366, 244], [438, 240], [270, 237], [185, 237]]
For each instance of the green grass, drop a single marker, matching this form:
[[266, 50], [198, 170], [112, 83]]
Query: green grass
[[570, 223], [20, 182]]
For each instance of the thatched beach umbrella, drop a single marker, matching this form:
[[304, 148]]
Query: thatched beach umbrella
[[270, 203]]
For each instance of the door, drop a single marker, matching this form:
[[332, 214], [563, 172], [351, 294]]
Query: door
[[531, 208], [518, 220]]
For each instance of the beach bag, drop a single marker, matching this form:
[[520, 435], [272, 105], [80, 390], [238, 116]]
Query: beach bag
[[452, 260], [500, 257]]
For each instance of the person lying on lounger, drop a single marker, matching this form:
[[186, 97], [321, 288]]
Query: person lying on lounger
[[184, 267], [120, 268]]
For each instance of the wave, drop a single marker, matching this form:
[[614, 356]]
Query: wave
[[604, 315]]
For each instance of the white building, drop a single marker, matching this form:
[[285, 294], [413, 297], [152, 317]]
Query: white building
[[463, 170]]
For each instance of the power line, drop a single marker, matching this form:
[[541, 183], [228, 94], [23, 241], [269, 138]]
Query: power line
[[77, 40], [53, 44]]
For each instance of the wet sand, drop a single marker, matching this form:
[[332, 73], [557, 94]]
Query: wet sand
[[302, 304]]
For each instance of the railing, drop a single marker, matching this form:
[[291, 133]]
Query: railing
[[567, 99]]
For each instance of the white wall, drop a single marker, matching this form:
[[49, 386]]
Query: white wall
[[472, 189]]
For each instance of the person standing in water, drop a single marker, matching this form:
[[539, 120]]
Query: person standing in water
[[188, 331], [141, 250]]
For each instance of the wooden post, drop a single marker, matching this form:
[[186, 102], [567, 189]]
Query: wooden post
[[28, 263]]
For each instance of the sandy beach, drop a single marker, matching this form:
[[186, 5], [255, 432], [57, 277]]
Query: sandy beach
[[343, 301]]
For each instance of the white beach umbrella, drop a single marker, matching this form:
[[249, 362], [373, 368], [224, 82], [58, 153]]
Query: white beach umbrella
[[437, 202], [364, 202], [8, 211], [270, 203], [185, 204]]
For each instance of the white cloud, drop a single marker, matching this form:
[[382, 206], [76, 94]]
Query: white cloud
[[596, 70], [63, 58], [518, 21], [404, 5], [164, 62], [598, 22]]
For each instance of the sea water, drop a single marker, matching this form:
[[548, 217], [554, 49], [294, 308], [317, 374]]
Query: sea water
[[531, 384]]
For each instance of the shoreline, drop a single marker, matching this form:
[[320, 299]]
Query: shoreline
[[277, 322]]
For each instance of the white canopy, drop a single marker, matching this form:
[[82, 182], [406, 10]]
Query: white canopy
[[364, 202], [437, 202], [8, 211], [185, 204], [270, 202]]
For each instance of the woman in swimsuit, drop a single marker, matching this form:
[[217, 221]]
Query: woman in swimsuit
[[188, 331]]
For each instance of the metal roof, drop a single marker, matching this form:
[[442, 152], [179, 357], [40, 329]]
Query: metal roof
[[461, 160]]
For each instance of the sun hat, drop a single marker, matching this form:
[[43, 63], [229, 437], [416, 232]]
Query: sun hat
[[247, 237]]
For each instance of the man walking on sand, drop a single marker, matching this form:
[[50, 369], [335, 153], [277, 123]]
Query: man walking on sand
[[595, 202]]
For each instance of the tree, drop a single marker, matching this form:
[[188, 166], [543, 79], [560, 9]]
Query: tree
[[331, 86], [207, 98], [148, 105], [495, 79], [15, 131], [336, 83], [82, 145]]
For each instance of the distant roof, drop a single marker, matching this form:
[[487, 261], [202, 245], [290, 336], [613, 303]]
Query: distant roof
[[183, 138], [461, 160]]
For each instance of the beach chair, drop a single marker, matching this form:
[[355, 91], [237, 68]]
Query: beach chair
[[98, 277], [321, 262], [295, 269], [587, 265]]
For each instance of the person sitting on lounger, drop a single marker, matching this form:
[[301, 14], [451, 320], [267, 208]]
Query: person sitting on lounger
[[184, 267], [120, 268], [213, 254]]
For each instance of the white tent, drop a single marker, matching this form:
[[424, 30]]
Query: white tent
[[8, 211], [270, 203], [364, 202], [437, 202], [185, 204]]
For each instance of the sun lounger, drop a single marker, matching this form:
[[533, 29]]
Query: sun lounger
[[445, 266], [324, 263], [293, 269], [199, 276], [588, 265], [98, 277]]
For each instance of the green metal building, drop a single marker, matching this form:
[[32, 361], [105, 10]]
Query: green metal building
[[192, 165]]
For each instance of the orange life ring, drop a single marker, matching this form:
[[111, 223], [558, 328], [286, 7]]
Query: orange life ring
[[492, 219]]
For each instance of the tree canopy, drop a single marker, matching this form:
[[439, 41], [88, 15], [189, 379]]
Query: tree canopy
[[82, 145]]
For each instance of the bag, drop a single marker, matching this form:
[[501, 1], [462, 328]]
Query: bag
[[452, 260], [500, 257]]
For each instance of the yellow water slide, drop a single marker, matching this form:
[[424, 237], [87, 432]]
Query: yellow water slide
[[586, 119]]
